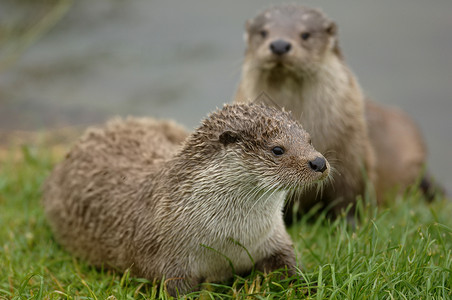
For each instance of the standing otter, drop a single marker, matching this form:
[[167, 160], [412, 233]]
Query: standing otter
[[293, 56], [131, 196]]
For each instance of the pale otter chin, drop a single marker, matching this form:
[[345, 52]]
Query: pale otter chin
[[130, 195]]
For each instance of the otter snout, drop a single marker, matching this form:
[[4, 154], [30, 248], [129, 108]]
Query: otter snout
[[318, 164], [280, 47]]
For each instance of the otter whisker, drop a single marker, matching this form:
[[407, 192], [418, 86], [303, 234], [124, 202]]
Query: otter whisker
[[270, 197], [258, 200]]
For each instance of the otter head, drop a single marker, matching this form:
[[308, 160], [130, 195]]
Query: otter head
[[258, 145], [290, 38]]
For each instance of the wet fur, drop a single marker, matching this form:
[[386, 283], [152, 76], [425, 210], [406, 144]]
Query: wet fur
[[146, 195]]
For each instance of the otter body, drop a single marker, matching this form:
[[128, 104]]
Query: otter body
[[399, 148], [293, 56], [133, 195]]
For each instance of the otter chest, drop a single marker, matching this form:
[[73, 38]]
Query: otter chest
[[236, 241], [316, 112]]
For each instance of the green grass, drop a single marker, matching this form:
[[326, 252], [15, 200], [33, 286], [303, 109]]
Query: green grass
[[401, 251]]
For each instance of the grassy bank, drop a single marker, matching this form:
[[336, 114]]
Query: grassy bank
[[402, 251]]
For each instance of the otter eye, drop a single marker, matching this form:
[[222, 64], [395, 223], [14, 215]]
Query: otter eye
[[278, 151], [263, 33], [305, 35]]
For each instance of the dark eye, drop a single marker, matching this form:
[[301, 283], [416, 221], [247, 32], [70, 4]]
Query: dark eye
[[305, 35], [278, 151], [263, 33], [310, 141]]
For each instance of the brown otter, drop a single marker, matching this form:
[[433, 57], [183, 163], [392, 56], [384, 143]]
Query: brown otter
[[131, 195], [293, 56]]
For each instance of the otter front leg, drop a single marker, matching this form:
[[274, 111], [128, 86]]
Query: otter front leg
[[283, 257], [180, 285], [279, 252]]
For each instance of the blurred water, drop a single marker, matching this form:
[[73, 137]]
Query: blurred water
[[181, 59]]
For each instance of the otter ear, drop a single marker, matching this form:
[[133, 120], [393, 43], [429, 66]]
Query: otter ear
[[248, 24], [332, 29], [228, 137]]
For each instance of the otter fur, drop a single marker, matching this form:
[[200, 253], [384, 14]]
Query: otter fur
[[293, 55], [399, 148], [133, 196]]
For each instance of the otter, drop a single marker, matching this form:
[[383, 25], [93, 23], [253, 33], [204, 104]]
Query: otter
[[132, 196], [293, 55]]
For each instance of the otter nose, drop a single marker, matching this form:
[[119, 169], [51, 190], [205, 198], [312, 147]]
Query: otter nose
[[318, 164], [280, 47]]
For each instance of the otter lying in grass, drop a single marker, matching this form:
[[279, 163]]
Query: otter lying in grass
[[131, 195]]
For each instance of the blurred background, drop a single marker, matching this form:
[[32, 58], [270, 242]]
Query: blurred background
[[72, 63]]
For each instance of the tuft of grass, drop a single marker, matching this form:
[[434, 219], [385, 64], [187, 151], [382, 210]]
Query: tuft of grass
[[401, 251]]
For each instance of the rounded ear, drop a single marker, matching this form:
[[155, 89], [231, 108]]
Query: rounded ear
[[248, 24], [332, 29], [228, 137], [246, 34]]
